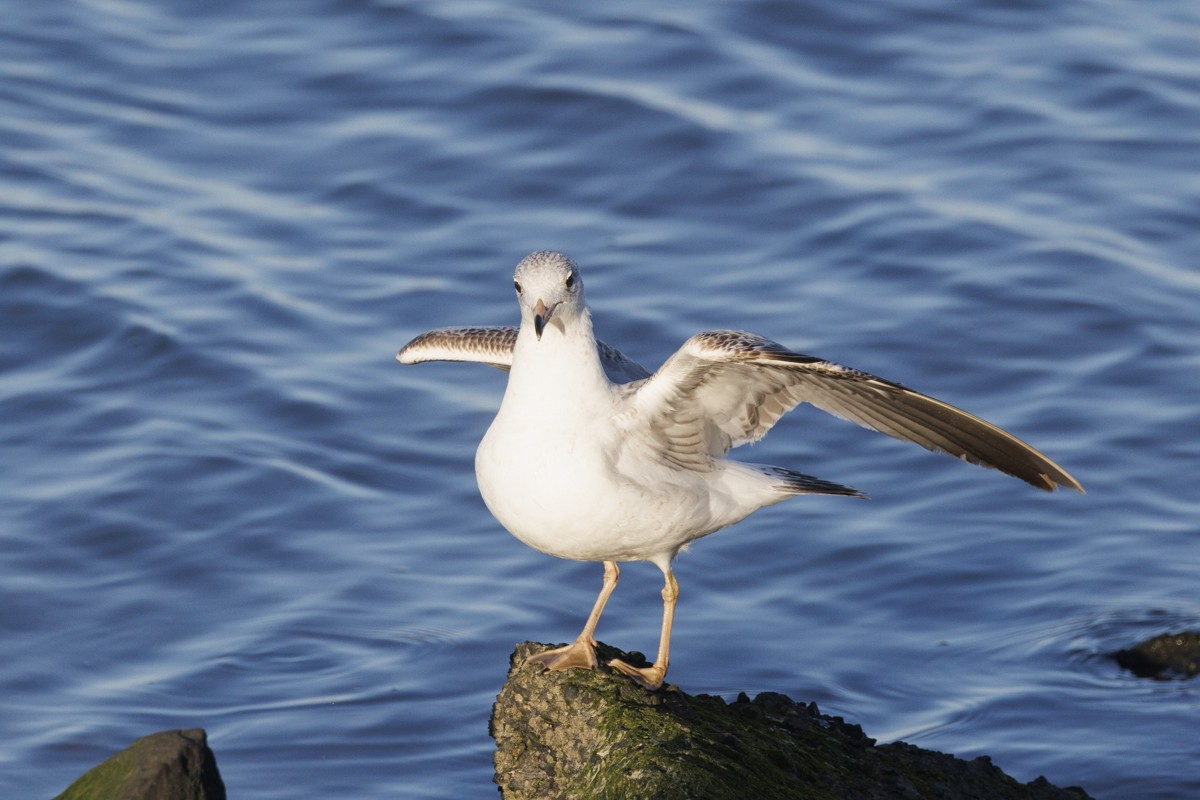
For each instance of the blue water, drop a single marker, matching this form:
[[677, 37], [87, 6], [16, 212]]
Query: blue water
[[223, 504]]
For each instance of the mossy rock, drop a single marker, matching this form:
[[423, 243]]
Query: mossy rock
[[1170, 655], [170, 765], [594, 734]]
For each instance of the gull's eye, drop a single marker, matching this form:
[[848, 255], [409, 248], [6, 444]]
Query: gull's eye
[[570, 281], [517, 286]]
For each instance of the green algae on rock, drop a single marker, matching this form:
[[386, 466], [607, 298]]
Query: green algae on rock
[[169, 765], [594, 734]]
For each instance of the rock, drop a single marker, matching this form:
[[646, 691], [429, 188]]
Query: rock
[[171, 765], [594, 733], [1171, 655]]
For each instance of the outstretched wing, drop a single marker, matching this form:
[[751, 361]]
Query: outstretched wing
[[726, 388], [493, 345]]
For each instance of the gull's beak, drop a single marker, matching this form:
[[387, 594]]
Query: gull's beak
[[541, 315]]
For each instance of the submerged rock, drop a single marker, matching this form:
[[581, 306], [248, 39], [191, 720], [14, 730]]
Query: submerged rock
[[171, 765], [595, 734], [1171, 655]]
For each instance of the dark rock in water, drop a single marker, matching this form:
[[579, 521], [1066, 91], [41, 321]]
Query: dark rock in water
[[171, 765], [592, 734], [1171, 655]]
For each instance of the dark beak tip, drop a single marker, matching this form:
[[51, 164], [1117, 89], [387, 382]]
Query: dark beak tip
[[541, 315]]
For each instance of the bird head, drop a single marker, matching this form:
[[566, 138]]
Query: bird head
[[549, 289]]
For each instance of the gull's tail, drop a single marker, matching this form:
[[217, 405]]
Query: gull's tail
[[791, 482]]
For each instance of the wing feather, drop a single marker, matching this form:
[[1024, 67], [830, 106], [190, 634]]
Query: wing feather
[[483, 344], [727, 388], [493, 345]]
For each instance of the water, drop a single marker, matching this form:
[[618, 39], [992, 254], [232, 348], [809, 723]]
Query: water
[[222, 504]]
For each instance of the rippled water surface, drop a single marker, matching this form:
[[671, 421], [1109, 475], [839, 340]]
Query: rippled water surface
[[223, 504]]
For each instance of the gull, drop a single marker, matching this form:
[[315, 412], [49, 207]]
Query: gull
[[592, 458]]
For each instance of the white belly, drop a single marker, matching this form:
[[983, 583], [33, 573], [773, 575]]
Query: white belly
[[559, 493]]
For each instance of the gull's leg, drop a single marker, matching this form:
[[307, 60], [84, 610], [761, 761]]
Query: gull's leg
[[652, 677], [582, 651]]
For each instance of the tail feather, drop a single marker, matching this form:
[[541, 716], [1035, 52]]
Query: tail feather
[[798, 483]]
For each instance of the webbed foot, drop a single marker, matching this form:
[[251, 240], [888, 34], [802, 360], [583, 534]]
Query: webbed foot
[[579, 654], [650, 677]]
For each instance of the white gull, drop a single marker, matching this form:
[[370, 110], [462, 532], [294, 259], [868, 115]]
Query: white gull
[[592, 458]]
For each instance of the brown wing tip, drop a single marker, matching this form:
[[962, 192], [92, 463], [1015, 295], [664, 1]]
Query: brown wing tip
[[1052, 482]]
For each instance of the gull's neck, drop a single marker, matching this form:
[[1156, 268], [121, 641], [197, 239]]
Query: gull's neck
[[562, 367]]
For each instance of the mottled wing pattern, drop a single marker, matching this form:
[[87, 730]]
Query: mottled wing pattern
[[493, 345], [726, 388], [617, 367]]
